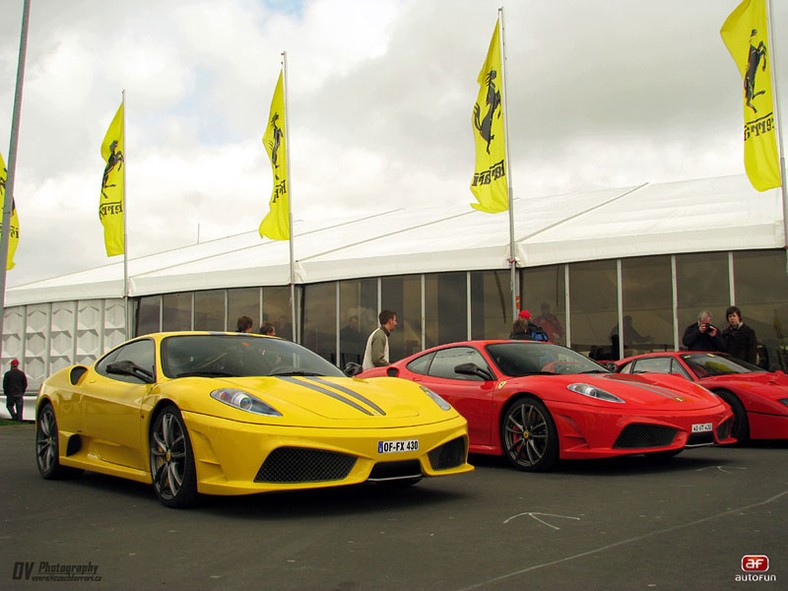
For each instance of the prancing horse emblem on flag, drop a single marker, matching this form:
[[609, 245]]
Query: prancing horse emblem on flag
[[493, 101], [276, 142], [753, 61], [115, 159]]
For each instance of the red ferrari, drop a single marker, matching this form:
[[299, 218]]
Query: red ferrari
[[758, 398], [536, 403]]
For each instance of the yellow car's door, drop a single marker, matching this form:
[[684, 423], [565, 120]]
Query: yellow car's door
[[111, 407]]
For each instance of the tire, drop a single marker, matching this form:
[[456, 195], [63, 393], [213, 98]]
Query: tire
[[48, 446], [172, 460], [741, 425], [528, 436]]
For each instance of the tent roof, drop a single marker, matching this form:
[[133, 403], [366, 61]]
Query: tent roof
[[706, 215]]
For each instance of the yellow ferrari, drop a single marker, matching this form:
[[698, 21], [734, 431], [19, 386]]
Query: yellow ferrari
[[228, 414]]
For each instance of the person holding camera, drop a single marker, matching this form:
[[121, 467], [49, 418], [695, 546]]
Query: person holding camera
[[703, 335]]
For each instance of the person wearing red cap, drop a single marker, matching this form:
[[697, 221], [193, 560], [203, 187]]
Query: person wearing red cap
[[14, 387], [525, 330]]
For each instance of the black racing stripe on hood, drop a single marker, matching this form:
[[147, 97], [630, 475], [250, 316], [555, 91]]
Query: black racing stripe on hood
[[661, 390], [325, 391], [349, 392]]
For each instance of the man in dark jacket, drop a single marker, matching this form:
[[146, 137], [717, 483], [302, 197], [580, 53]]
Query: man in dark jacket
[[740, 339], [14, 387], [703, 335]]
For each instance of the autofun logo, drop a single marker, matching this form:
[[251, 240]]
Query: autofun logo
[[754, 567], [755, 563]]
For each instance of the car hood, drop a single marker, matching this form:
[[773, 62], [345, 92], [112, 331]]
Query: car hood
[[379, 402], [648, 391], [773, 385]]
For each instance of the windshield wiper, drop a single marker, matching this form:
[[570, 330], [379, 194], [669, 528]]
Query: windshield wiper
[[206, 374], [295, 372]]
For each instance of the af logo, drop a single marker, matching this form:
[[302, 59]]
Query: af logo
[[115, 159], [755, 563], [754, 59], [493, 104]]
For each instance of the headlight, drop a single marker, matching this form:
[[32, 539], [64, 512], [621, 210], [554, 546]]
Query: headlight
[[436, 398], [244, 401], [594, 392]]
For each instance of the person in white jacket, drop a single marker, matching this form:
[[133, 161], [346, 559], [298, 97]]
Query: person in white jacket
[[376, 353]]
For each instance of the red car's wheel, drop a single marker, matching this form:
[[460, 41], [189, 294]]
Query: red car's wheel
[[529, 436]]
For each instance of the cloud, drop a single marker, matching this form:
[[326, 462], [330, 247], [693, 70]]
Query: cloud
[[380, 93]]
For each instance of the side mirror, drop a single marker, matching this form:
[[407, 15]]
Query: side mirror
[[129, 368], [352, 369], [471, 369]]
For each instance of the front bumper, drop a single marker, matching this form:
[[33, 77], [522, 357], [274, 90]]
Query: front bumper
[[603, 433], [234, 458]]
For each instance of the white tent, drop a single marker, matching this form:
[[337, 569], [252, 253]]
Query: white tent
[[716, 214]]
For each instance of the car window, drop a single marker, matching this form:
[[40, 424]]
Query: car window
[[239, 355], [421, 365], [677, 369], [142, 353], [667, 365], [523, 358], [446, 360], [713, 364], [626, 368], [653, 365]]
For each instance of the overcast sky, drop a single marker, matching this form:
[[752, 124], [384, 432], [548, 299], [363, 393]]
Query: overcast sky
[[601, 93]]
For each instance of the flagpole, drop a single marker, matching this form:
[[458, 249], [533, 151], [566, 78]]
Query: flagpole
[[512, 247], [779, 119], [8, 204], [125, 217], [290, 202]]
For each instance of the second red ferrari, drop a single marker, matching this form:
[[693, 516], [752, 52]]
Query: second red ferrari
[[536, 403], [758, 398]]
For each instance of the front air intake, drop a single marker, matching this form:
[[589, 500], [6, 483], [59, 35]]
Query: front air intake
[[642, 436], [299, 464]]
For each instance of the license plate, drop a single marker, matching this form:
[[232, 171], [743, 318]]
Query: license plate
[[396, 447], [701, 427]]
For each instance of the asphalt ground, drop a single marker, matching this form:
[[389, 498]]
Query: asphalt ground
[[624, 524]]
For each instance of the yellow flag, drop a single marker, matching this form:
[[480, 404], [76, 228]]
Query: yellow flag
[[112, 202], [745, 33], [489, 184], [13, 236], [276, 223]]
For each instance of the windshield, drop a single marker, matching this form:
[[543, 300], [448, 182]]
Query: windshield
[[711, 364], [215, 355], [524, 358]]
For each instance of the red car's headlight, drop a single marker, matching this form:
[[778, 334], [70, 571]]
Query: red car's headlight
[[594, 392]]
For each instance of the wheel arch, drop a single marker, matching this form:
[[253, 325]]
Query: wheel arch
[[741, 429], [552, 452]]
